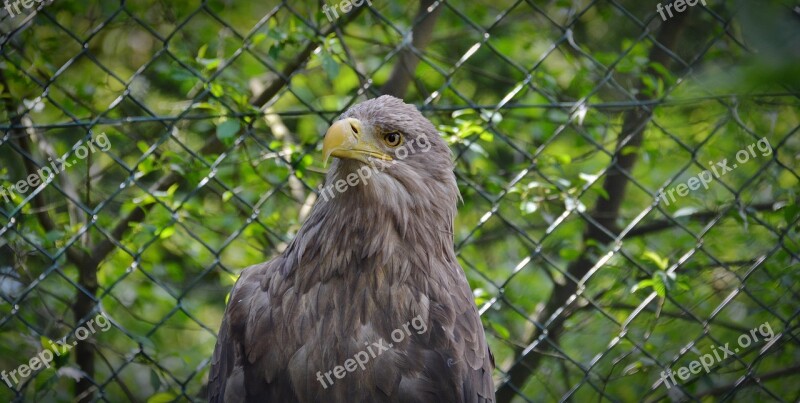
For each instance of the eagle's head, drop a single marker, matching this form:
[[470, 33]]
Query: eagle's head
[[387, 156], [389, 189]]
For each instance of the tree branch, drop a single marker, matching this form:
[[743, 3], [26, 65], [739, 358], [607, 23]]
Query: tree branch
[[294, 66], [702, 216], [677, 315], [750, 381], [403, 71], [87, 267], [602, 219], [500, 232], [138, 214]]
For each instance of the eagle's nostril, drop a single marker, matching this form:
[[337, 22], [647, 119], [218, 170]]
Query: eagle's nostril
[[354, 128]]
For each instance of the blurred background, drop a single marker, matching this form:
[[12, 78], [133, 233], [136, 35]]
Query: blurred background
[[570, 121]]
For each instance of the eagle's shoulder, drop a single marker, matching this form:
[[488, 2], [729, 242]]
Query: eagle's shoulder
[[457, 330], [226, 379]]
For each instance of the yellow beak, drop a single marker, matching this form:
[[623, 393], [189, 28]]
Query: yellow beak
[[346, 139]]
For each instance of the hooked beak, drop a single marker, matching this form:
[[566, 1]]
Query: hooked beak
[[346, 139]]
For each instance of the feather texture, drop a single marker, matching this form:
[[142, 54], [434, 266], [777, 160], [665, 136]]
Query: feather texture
[[365, 263]]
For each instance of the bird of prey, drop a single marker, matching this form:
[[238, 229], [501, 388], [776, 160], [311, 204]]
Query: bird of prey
[[368, 302]]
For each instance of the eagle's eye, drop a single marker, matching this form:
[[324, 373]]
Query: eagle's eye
[[392, 139]]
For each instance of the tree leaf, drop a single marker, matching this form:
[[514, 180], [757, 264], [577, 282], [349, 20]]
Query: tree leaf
[[660, 262], [329, 65], [227, 129], [162, 397]]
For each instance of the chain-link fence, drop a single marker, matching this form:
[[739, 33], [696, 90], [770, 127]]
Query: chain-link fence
[[629, 174]]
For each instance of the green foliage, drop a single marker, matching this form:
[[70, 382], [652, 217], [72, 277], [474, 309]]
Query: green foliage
[[532, 110]]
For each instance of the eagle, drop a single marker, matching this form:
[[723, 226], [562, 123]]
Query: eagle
[[368, 302]]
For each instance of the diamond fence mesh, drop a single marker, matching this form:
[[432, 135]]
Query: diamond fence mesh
[[629, 176]]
